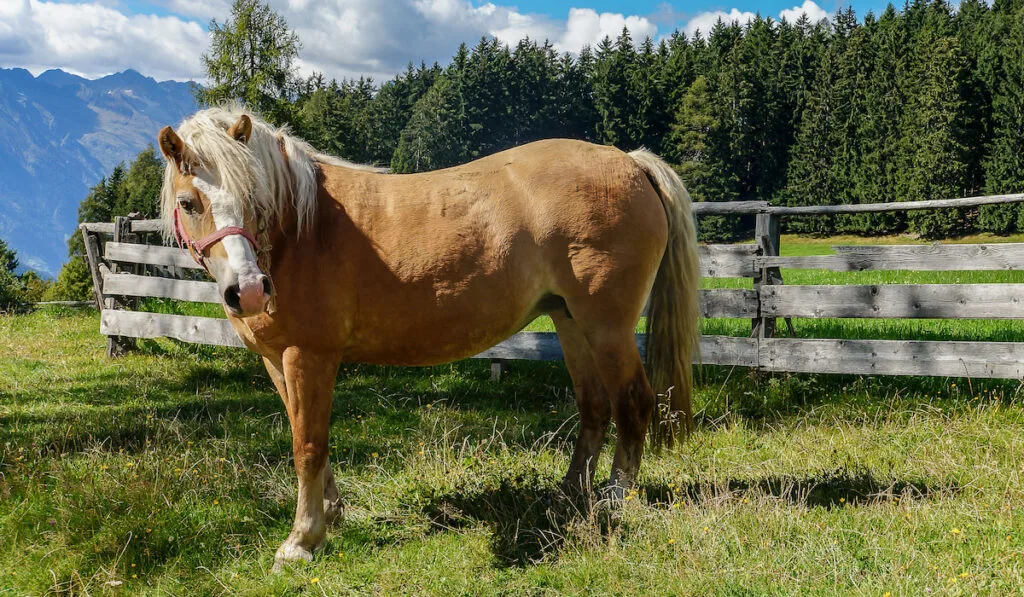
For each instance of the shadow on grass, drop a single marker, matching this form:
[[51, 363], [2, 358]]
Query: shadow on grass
[[530, 518], [828, 489]]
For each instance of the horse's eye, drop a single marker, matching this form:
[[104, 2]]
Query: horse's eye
[[187, 203]]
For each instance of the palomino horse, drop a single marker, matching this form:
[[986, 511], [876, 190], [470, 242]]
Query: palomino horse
[[320, 262]]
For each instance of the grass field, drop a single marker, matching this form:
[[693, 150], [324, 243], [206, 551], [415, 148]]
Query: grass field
[[168, 472]]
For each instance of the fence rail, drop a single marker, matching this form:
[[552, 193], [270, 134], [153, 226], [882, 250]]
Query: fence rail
[[122, 271]]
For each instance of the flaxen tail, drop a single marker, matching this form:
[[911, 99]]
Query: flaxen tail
[[673, 314]]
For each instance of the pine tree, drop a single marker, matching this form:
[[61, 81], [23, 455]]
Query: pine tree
[[933, 156], [437, 133], [700, 141], [1004, 164], [10, 286], [251, 60]]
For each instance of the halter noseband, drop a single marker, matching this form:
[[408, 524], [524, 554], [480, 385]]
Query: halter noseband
[[196, 248]]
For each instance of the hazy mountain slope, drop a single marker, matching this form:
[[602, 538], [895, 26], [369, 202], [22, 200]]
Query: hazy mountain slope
[[59, 134]]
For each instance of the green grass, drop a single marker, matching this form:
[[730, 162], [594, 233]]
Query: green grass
[[168, 470]]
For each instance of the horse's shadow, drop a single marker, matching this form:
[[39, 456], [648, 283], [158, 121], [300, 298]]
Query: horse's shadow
[[531, 519]]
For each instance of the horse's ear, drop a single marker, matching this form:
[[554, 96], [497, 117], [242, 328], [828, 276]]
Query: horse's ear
[[241, 131], [173, 148]]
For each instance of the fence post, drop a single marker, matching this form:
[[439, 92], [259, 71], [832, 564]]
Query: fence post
[[498, 369], [118, 345], [767, 237], [92, 251]]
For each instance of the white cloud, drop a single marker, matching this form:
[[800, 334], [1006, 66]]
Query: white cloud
[[814, 12], [341, 38], [92, 39], [705, 21], [586, 27]]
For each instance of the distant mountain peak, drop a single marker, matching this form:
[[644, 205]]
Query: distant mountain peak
[[62, 134]]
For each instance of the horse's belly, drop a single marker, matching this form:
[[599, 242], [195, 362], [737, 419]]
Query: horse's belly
[[434, 336]]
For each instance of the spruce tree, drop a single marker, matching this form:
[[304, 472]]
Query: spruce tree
[[1004, 164], [251, 60]]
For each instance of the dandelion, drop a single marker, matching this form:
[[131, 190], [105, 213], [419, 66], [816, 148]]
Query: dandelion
[[341, 554], [955, 532], [746, 500], [671, 541], [707, 529], [375, 455], [421, 452], [216, 502], [148, 531], [133, 565], [135, 576], [315, 580], [842, 500], [965, 575]]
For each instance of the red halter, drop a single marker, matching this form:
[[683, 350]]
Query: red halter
[[196, 248]]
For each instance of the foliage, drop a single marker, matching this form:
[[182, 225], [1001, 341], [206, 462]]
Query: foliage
[[251, 60], [17, 291]]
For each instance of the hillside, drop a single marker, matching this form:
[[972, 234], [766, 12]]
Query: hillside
[[59, 134]]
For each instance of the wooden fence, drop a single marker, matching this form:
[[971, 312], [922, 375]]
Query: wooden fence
[[123, 270]]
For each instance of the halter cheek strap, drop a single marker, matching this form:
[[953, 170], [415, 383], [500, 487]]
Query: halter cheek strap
[[198, 248]]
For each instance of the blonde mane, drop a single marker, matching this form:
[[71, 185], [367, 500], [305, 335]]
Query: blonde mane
[[274, 170]]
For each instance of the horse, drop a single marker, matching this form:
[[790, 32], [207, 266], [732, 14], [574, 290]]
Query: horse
[[321, 261]]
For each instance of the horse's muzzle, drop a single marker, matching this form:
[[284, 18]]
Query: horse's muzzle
[[248, 297]]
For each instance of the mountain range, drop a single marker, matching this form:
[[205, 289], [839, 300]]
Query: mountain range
[[59, 135]]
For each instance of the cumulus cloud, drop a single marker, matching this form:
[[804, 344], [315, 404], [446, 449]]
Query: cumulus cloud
[[92, 39], [705, 21], [814, 12], [341, 38], [353, 37]]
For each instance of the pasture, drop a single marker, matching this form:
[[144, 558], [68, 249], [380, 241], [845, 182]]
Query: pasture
[[168, 472]]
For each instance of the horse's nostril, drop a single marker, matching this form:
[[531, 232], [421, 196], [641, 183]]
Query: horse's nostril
[[232, 298], [267, 290]]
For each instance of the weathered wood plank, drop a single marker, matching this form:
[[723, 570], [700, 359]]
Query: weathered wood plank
[[98, 227], [151, 255], [1008, 256], [182, 290], [727, 261], [739, 303], [812, 210], [544, 346], [729, 208], [147, 226], [92, 252], [197, 330], [902, 301], [894, 357], [728, 351]]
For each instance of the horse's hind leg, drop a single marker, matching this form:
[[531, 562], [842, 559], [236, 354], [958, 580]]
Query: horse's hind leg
[[309, 381], [632, 402], [591, 399]]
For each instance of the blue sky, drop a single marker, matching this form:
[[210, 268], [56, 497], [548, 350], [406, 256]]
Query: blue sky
[[344, 38]]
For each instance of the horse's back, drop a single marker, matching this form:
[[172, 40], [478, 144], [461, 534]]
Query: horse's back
[[464, 257]]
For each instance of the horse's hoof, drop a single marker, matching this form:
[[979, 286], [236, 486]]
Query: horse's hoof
[[611, 496], [289, 553], [334, 511]]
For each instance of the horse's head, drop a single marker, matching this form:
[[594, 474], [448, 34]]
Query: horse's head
[[211, 221]]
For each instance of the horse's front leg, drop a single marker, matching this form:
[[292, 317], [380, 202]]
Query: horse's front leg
[[308, 390]]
